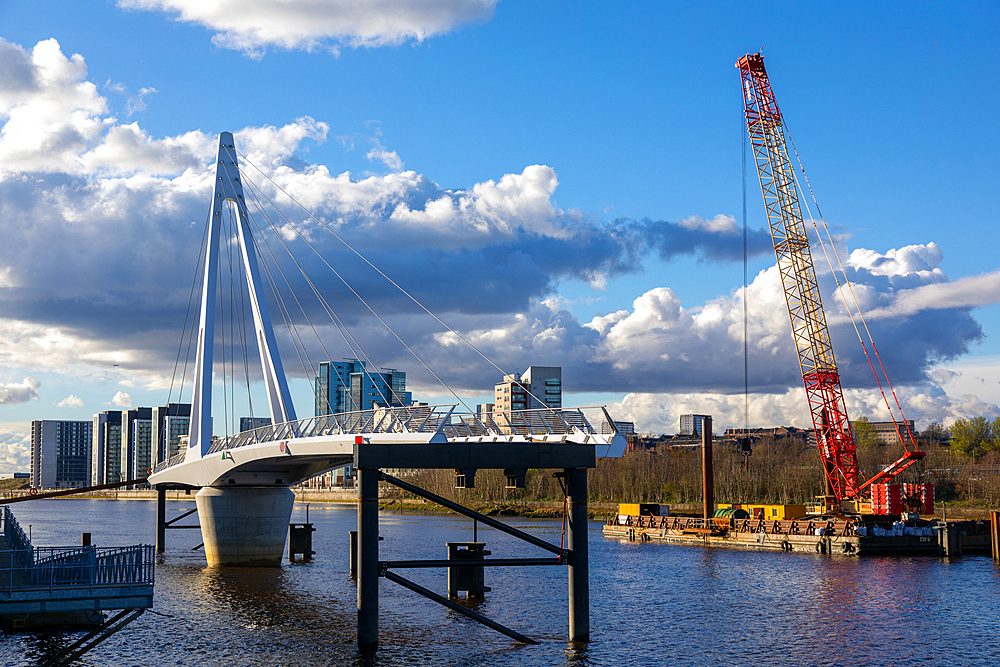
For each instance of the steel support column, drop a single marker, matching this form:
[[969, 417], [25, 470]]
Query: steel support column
[[161, 520], [707, 470], [579, 576], [368, 479]]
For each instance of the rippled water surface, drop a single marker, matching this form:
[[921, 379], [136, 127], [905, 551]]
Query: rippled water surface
[[650, 604]]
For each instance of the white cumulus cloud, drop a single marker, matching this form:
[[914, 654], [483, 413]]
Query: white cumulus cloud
[[660, 346], [70, 401], [720, 224], [122, 400], [52, 112], [252, 25], [966, 292], [15, 447], [57, 122], [389, 158], [19, 392], [919, 260]]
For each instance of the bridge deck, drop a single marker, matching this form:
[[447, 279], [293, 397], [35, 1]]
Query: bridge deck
[[407, 437]]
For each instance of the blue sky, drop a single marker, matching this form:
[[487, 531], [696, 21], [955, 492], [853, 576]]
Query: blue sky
[[634, 109]]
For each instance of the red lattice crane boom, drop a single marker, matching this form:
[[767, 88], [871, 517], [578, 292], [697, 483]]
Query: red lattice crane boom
[[798, 279]]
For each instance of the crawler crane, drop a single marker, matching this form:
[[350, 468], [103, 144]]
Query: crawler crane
[[805, 307]]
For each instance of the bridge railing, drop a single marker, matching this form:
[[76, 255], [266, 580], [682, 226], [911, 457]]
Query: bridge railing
[[556, 421], [27, 566], [79, 566], [423, 419], [400, 419], [17, 541]]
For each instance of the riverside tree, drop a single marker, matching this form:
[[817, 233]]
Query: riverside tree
[[976, 436]]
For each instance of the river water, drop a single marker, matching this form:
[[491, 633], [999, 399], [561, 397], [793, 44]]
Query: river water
[[650, 604]]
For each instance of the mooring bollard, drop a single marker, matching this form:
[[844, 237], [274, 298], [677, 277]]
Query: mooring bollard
[[300, 540], [950, 540], [468, 579], [995, 534], [353, 558]]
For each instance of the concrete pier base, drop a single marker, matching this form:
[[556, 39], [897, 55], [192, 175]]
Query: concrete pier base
[[244, 526]]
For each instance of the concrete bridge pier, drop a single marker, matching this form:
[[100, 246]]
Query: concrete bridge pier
[[244, 525]]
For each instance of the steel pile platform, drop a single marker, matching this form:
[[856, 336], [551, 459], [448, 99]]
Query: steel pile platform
[[58, 586]]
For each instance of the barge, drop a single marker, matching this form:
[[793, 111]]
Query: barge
[[862, 535]]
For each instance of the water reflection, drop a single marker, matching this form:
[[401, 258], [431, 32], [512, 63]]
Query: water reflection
[[651, 604], [45, 647], [576, 654], [259, 595], [709, 563]]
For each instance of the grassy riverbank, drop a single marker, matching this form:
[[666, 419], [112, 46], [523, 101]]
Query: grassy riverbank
[[520, 508]]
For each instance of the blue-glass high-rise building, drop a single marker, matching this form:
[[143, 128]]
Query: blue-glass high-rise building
[[347, 386], [170, 423]]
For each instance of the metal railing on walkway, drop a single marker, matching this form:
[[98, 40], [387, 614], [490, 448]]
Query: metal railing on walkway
[[422, 419], [29, 567]]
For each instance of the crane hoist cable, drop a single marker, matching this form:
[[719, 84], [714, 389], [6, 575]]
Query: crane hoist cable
[[745, 441]]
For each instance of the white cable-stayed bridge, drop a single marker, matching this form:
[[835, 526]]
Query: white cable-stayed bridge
[[244, 502]]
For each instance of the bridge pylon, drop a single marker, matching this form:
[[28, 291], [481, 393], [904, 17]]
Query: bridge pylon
[[229, 188], [241, 524]]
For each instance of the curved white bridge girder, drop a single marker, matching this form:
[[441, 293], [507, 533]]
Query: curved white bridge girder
[[277, 462], [408, 437]]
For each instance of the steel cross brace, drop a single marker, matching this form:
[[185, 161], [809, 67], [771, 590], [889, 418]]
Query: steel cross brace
[[563, 554]]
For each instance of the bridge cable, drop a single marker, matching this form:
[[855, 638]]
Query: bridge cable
[[352, 342], [222, 332], [286, 316], [228, 375], [379, 317], [187, 312], [359, 297], [238, 278], [234, 314], [379, 271], [316, 292], [293, 332], [341, 327], [243, 342]]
